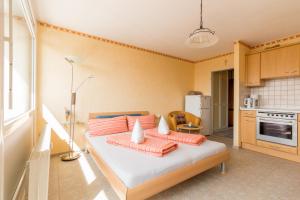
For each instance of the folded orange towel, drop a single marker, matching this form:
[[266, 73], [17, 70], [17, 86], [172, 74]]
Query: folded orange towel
[[154, 146], [177, 136]]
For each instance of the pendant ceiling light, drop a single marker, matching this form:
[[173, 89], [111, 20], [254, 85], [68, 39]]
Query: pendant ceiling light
[[202, 37]]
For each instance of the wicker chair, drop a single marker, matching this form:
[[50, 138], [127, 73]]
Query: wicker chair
[[189, 117]]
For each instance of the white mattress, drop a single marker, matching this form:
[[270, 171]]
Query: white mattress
[[134, 168]]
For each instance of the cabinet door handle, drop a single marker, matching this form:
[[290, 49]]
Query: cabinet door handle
[[294, 71], [274, 147]]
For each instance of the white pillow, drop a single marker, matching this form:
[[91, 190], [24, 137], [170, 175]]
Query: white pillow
[[163, 127], [137, 135]]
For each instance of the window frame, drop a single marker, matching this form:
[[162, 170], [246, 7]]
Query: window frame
[[16, 121]]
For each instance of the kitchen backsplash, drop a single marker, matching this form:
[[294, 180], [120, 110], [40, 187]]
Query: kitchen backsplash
[[279, 93]]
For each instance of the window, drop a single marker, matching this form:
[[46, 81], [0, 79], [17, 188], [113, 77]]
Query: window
[[18, 60]]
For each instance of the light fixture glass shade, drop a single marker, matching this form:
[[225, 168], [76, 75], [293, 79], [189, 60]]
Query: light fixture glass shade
[[72, 59], [202, 38]]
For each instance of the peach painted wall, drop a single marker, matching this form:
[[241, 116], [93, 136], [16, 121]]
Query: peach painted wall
[[204, 69], [126, 78]]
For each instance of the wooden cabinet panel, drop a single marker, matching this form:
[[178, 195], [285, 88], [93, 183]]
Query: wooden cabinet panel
[[253, 70], [248, 113], [282, 62], [288, 62], [269, 64], [248, 130], [298, 136], [277, 147]]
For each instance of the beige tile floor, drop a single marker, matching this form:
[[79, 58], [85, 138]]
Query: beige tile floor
[[250, 175]]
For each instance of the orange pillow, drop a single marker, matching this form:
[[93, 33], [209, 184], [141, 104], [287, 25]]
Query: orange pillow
[[107, 126], [147, 121]]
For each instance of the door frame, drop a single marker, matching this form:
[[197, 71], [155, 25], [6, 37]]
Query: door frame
[[1, 102], [212, 98]]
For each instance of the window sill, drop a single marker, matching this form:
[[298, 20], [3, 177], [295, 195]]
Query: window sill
[[11, 125]]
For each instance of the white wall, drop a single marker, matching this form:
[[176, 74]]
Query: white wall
[[15, 158]]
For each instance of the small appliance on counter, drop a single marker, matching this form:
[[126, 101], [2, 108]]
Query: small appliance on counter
[[251, 102]]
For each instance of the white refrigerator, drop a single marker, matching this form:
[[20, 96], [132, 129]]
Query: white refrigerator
[[200, 105]]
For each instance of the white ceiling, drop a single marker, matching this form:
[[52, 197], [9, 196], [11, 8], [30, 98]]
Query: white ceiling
[[164, 25]]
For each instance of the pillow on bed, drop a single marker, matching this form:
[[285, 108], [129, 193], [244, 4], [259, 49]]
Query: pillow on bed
[[107, 126], [147, 121]]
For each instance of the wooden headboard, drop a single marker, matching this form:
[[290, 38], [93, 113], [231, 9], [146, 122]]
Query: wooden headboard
[[94, 115]]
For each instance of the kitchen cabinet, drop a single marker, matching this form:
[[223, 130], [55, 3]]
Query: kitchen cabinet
[[281, 62], [253, 70], [298, 135], [248, 127], [277, 147], [248, 113], [249, 141]]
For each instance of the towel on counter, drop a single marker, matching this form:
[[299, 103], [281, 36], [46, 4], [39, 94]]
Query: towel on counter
[[177, 137], [163, 127], [153, 146]]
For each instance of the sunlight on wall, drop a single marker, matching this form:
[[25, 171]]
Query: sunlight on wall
[[101, 196], [55, 125], [86, 169]]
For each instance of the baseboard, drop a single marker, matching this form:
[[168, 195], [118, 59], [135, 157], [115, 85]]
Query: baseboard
[[271, 152]]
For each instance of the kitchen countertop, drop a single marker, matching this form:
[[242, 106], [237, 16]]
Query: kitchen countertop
[[294, 110]]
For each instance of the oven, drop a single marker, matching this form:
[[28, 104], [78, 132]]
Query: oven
[[277, 127]]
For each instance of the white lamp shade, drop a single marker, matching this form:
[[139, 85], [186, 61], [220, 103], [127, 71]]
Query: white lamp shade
[[72, 59], [202, 39]]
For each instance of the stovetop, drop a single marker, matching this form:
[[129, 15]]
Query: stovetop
[[277, 115]]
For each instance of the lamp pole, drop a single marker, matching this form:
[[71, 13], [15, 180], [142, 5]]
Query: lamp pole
[[72, 155]]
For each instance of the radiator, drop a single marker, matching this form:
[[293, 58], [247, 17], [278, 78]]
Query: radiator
[[34, 182]]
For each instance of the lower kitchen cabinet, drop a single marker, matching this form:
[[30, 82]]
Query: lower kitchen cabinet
[[248, 129], [299, 134], [248, 139], [277, 147]]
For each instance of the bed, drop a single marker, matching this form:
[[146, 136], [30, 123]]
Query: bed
[[146, 175]]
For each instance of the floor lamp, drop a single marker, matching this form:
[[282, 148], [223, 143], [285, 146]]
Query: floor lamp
[[73, 155]]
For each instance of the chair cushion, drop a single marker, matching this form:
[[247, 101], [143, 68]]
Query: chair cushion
[[180, 119]]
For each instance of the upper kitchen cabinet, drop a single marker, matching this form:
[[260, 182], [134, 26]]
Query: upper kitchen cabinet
[[253, 70], [282, 62]]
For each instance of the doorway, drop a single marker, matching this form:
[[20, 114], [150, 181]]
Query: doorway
[[223, 103]]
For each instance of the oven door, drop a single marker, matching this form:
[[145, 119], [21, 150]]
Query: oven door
[[277, 131]]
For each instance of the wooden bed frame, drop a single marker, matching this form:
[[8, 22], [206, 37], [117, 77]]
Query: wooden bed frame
[[158, 184]]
